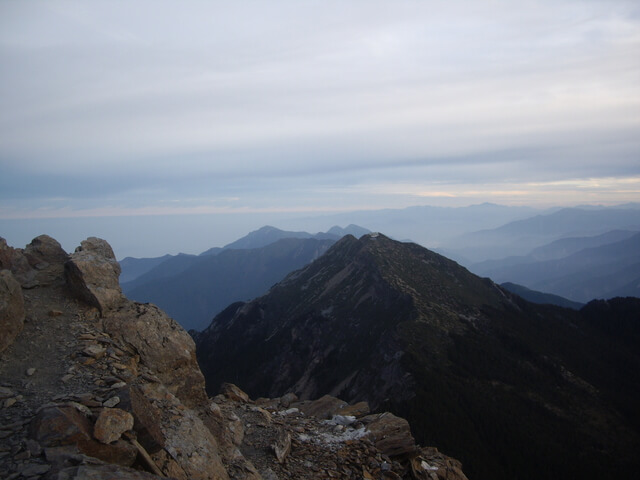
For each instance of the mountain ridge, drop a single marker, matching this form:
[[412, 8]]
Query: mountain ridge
[[404, 327]]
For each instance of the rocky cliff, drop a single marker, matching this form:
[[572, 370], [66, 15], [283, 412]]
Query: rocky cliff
[[94, 386]]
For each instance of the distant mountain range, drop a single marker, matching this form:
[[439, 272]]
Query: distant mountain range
[[521, 236], [513, 389], [194, 288], [578, 268]]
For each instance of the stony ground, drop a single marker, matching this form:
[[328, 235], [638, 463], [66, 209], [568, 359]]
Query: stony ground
[[39, 369]]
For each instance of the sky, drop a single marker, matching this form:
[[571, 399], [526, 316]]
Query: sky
[[166, 109]]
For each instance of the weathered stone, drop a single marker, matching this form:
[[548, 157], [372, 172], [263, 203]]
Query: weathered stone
[[95, 351], [111, 424], [430, 460], [111, 402], [390, 434], [13, 259], [60, 426], [92, 274], [324, 407], [11, 309], [163, 345], [147, 418], [357, 410], [282, 446], [47, 258], [234, 393], [190, 450], [287, 399]]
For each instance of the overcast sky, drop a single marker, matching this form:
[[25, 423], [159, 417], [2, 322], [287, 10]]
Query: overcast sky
[[152, 107]]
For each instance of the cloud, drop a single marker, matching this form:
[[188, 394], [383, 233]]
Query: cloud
[[153, 102]]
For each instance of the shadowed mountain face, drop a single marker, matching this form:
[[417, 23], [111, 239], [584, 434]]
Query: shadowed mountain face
[[511, 388], [203, 285]]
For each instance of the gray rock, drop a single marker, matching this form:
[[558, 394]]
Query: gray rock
[[324, 407], [390, 434], [13, 259], [11, 309], [47, 258], [92, 275]]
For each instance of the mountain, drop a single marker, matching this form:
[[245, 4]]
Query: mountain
[[134, 268], [95, 386], [430, 226], [540, 297], [267, 234], [199, 287], [521, 236], [604, 271], [513, 389]]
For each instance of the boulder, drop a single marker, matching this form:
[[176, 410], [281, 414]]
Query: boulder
[[47, 259], [190, 450], [324, 407], [92, 275], [390, 434], [111, 424], [13, 259], [163, 345], [357, 410], [57, 426], [146, 417], [11, 309], [234, 393]]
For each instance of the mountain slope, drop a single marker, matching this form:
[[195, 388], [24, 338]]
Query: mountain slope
[[521, 236], [540, 297], [497, 381], [209, 283], [599, 272]]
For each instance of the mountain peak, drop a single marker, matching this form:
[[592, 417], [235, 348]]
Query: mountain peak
[[473, 367]]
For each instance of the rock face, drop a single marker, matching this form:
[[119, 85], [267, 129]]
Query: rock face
[[11, 309], [92, 274], [40, 263], [111, 424], [163, 345], [99, 387]]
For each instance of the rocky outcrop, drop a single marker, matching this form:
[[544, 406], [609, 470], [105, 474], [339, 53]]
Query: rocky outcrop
[[40, 263], [47, 258], [11, 309], [97, 387], [92, 274], [163, 346], [13, 259]]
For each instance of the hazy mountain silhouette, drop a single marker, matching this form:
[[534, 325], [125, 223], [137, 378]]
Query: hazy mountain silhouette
[[134, 268], [522, 236], [194, 294], [603, 271]]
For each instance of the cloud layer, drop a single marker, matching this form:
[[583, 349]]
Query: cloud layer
[[153, 106]]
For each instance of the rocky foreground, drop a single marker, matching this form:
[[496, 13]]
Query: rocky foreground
[[94, 386]]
